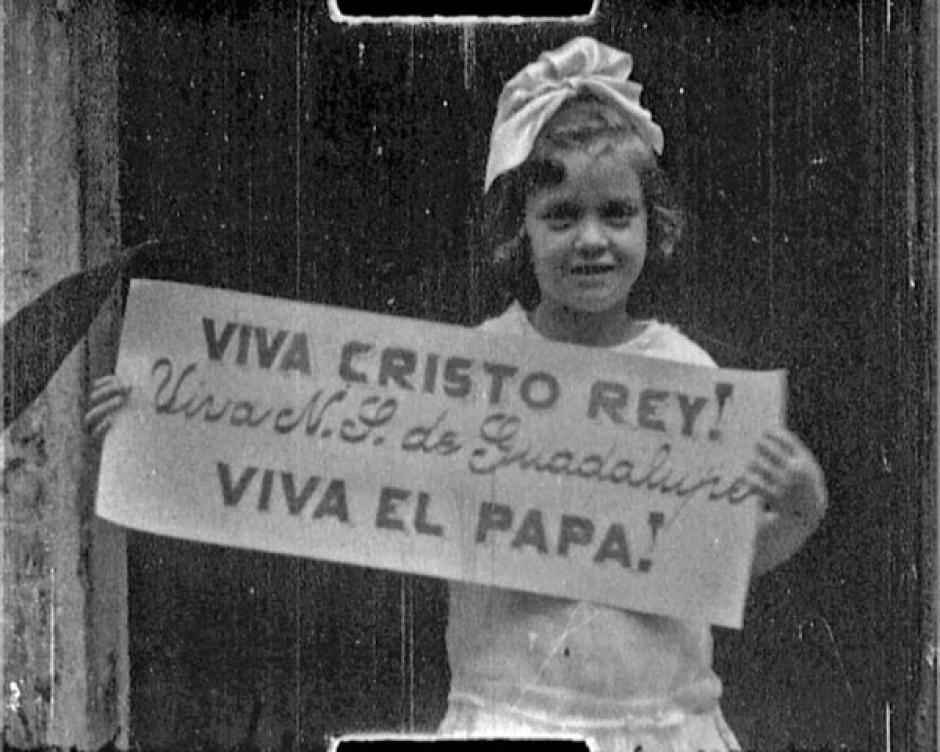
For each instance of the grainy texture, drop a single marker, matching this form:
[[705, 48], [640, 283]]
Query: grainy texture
[[64, 616], [43, 671], [928, 208], [103, 563], [343, 165], [338, 164]]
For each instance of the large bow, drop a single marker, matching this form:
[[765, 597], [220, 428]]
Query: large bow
[[533, 95]]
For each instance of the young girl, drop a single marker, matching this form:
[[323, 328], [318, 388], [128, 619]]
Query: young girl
[[577, 207]]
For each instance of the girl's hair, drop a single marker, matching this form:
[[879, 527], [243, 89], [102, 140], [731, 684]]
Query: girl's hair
[[582, 123]]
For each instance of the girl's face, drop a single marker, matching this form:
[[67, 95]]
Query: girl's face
[[588, 233]]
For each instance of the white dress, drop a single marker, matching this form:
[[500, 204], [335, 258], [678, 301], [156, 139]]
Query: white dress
[[525, 664]]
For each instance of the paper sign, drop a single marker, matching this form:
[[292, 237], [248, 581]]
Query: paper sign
[[417, 447]]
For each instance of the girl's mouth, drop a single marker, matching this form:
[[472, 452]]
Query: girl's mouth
[[589, 270]]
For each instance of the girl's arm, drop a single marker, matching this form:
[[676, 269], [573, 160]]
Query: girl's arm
[[794, 496]]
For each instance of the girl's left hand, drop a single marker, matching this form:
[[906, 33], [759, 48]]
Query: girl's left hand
[[791, 484]]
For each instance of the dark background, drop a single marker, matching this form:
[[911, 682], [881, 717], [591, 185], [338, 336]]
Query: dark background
[[281, 153]]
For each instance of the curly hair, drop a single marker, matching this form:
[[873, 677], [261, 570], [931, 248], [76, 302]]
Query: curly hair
[[504, 204]]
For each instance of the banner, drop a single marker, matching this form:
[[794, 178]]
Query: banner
[[417, 447]]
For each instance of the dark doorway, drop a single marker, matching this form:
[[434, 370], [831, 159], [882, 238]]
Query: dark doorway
[[299, 158]]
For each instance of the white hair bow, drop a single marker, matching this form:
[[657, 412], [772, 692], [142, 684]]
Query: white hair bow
[[536, 93]]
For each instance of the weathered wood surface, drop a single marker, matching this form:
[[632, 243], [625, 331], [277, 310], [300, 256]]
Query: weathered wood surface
[[64, 614]]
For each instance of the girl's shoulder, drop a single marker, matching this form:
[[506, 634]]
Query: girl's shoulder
[[661, 340], [511, 321], [656, 340]]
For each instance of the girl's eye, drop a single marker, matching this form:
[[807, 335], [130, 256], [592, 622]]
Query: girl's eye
[[560, 216], [619, 213]]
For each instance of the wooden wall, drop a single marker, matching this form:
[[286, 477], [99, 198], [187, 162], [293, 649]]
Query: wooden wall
[[63, 596], [292, 156]]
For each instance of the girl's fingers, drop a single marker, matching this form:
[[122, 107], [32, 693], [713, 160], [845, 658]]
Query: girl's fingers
[[771, 454], [103, 389], [101, 427], [108, 381], [96, 399], [784, 440], [767, 473], [108, 396], [103, 410], [765, 487], [102, 381]]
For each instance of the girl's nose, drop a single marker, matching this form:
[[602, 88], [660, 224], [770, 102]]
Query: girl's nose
[[591, 237]]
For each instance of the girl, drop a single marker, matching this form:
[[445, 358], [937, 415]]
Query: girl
[[573, 183], [577, 205]]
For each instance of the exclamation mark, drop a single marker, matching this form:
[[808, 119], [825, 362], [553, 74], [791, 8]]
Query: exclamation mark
[[656, 521], [722, 394]]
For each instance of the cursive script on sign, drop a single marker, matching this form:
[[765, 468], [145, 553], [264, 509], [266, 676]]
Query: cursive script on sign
[[499, 443]]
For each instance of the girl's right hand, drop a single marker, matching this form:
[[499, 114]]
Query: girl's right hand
[[108, 396]]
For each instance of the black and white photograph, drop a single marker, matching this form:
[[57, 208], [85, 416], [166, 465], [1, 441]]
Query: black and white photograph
[[503, 375]]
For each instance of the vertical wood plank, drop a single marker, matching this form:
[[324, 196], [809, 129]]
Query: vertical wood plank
[[65, 671]]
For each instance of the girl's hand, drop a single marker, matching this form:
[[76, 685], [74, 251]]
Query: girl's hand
[[791, 485], [108, 396]]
